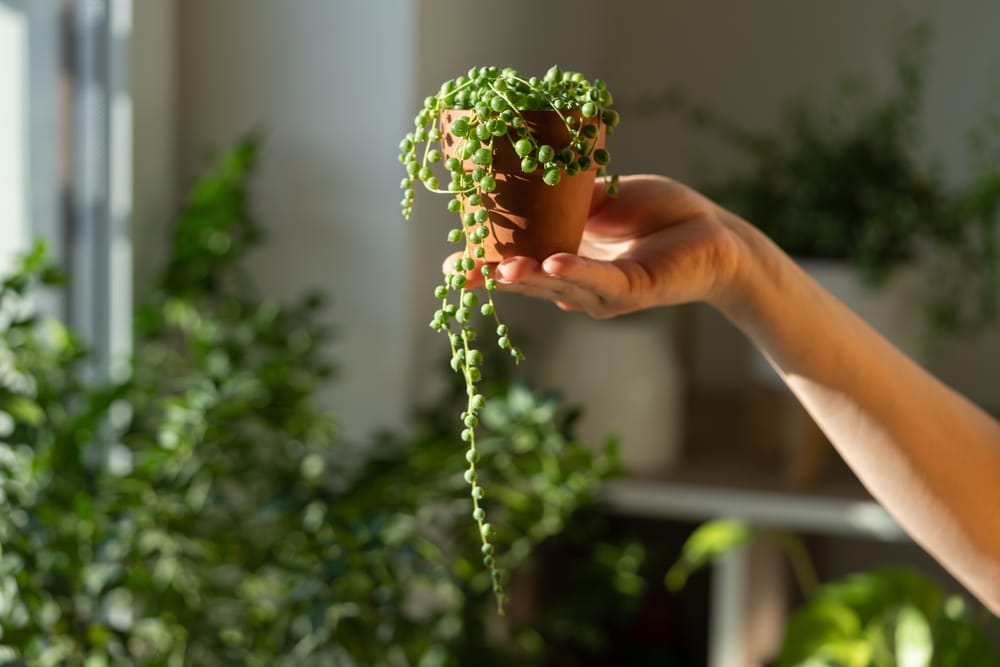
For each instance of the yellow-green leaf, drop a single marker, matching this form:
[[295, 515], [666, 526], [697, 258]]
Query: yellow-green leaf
[[709, 542], [22, 410]]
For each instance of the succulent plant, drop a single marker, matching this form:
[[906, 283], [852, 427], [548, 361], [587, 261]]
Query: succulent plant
[[460, 131]]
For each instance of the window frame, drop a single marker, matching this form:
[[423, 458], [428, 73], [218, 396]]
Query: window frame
[[76, 158]]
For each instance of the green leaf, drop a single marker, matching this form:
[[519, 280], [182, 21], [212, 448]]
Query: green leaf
[[843, 653], [34, 260], [823, 630], [709, 542], [914, 644], [22, 410], [872, 594]]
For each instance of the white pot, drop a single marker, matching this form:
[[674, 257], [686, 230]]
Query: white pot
[[625, 375]]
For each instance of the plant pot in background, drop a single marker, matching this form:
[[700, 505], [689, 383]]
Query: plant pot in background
[[626, 376], [776, 420], [527, 216]]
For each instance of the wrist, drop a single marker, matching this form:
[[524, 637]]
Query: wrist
[[755, 267]]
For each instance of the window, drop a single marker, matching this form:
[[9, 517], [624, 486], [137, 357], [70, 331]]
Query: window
[[65, 158]]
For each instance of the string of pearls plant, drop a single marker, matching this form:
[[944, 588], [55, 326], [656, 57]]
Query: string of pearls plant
[[460, 131]]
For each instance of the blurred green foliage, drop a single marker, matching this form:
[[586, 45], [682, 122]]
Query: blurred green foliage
[[887, 617], [846, 176], [205, 511]]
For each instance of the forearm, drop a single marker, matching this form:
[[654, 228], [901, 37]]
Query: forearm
[[929, 455]]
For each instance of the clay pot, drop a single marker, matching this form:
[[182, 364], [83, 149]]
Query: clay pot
[[526, 216]]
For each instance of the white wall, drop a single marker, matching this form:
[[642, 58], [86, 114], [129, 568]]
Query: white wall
[[329, 83], [14, 229]]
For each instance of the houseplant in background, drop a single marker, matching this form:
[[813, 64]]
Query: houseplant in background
[[520, 154], [880, 618], [847, 180], [207, 512]]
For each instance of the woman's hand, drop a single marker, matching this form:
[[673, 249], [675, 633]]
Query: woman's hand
[[657, 243]]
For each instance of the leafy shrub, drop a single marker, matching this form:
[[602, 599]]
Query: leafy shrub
[[206, 511], [846, 178], [883, 617]]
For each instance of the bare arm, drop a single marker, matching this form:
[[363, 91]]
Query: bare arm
[[930, 456]]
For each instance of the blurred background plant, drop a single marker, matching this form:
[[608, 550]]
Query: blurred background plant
[[846, 177], [206, 511], [886, 617]]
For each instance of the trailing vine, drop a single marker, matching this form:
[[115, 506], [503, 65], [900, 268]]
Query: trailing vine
[[459, 131]]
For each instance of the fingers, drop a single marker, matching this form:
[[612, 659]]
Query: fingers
[[573, 283], [519, 274], [524, 275], [515, 269], [569, 307]]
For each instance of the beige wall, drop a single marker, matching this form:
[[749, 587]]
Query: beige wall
[[327, 82], [328, 186]]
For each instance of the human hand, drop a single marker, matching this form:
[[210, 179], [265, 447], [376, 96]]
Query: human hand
[[657, 243]]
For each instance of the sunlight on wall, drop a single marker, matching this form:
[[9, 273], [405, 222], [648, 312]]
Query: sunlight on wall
[[329, 85]]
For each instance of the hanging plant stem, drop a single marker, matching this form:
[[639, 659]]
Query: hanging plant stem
[[503, 140]]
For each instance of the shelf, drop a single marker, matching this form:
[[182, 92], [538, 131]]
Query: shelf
[[734, 465], [803, 512], [753, 456]]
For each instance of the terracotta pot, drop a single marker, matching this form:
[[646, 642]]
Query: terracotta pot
[[526, 216]]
